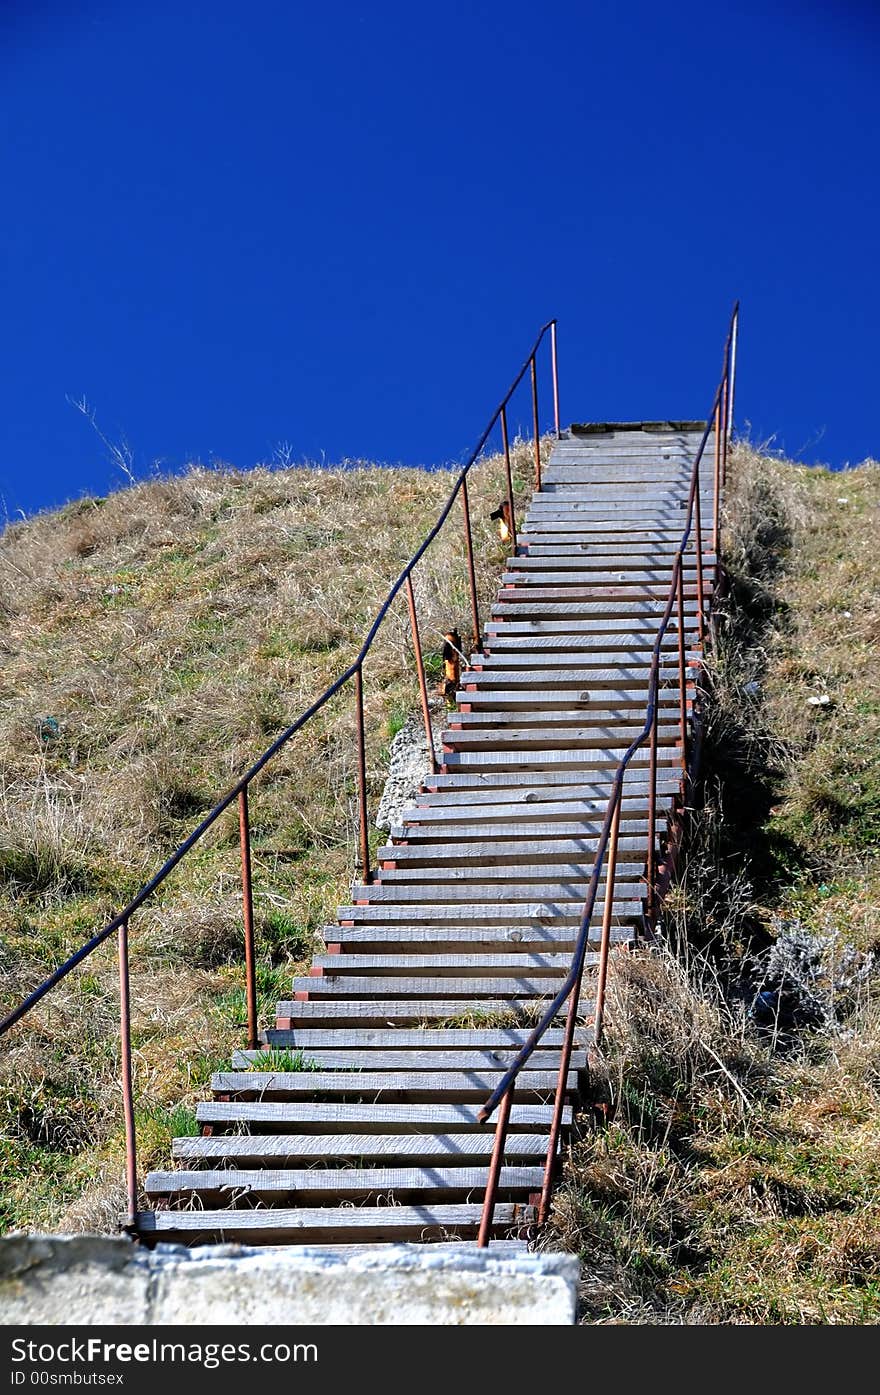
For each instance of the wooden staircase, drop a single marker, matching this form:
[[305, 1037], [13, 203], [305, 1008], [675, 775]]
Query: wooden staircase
[[361, 1125]]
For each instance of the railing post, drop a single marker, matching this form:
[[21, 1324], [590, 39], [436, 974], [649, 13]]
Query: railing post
[[364, 838], [716, 500], [247, 901], [725, 426], [131, 1185], [682, 667], [495, 1167], [472, 575], [505, 441], [536, 423], [551, 1158], [651, 866], [607, 914], [731, 374], [420, 666], [698, 531], [555, 364]]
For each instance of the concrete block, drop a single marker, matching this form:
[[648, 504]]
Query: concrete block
[[82, 1279]]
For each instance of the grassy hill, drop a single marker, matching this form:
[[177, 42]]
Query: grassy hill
[[738, 1179], [156, 640]]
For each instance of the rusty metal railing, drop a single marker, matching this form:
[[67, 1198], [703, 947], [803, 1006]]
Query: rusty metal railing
[[239, 793], [720, 419]]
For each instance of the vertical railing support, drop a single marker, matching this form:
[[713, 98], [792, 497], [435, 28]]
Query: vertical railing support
[[131, 1184], [716, 498], [682, 668], [364, 837], [555, 364], [495, 1167], [651, 865], [725, 426], [552, 1158], [420, 666], [731, 374], [472, 575], [505, 442], [698, 538], [607, 916], [537, 425], [247, 903]]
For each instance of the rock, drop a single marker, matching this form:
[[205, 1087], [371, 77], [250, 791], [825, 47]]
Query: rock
[[408, 766], [84, 1279], [808, 979]]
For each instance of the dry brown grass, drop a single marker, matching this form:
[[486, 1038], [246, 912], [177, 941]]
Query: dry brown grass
[[153, 643], [738, 1180]]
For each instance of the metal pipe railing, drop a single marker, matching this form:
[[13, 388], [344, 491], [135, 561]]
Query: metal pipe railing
[[420, 669], [247, 901], [535, 423], [571, 984], [511, 508], [119, 924]]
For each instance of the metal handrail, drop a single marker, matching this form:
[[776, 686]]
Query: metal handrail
[[720, 417], [239, 791]]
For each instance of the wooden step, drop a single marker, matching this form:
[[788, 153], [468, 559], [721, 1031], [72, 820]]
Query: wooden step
[[443, 965], [548, 737], [484, 1059], [599, 684], [590, 642], [482, 939], [656, 560], [545, 911], [565, 707], [234, 1187], [439, 810], [352, 988], [411, 1149], [276, 1117], [623, 631], [421, 1086], [428, 893], [555, 759], [538, 573], [541, 784], [423, 1039], [505, 829], [407, 1011], [302, 1225]]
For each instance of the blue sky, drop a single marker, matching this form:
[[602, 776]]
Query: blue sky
[[339, 226]]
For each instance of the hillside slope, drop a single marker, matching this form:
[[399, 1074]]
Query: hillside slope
[[155, 641], [739, 1177]]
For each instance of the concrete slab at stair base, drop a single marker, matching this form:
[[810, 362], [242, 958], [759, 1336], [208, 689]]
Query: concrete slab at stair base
[[82, 1279]]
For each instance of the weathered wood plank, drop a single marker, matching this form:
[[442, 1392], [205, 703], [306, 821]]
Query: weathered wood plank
[[417, 1085], [409, 1011], [422, 1038], [235, 1185], [485, 939], [360, 1058], [353, 987], [285, 1225], [446, 965], [282, 1150], [542, 887], [376, 1118]]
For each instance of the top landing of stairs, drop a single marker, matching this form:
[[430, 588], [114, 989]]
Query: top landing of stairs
[[605, 428]]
